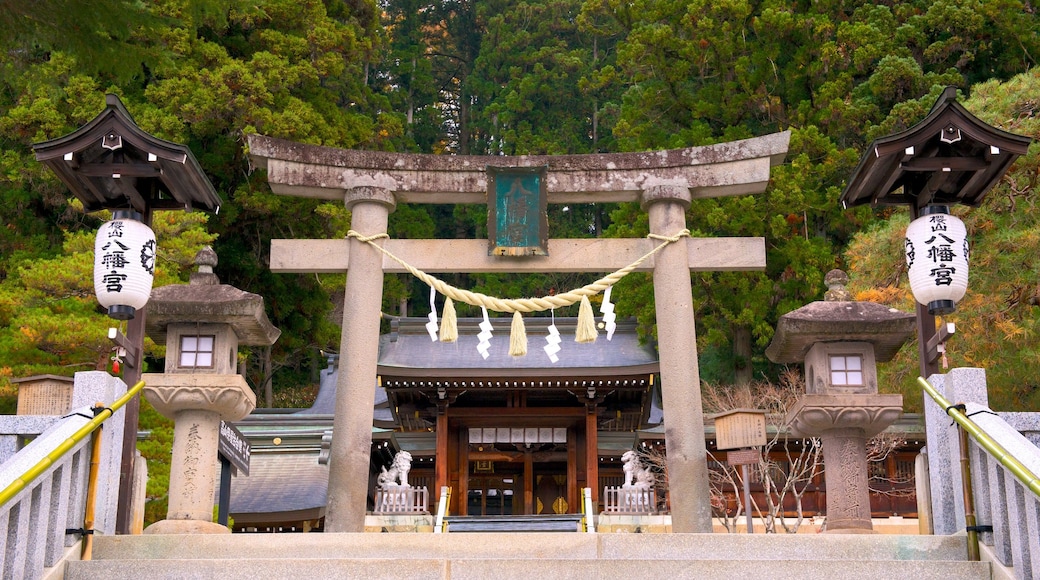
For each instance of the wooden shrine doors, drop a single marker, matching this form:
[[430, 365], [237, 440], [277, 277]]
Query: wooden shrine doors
[[522, 465]]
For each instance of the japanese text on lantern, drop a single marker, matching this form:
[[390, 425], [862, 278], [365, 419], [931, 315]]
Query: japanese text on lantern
[[114, 257], [939, 249]]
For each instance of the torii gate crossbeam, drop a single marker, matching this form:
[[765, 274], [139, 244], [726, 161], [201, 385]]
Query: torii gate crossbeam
[[664, 182]]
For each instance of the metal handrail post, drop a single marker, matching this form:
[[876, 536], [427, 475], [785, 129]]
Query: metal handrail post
[[88, 511], [970, 525]]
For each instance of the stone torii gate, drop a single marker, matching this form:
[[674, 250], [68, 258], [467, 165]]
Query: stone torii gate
[[372, 183]]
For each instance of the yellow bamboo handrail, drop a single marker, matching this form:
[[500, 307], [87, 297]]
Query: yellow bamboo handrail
[[35, 471], [1020, 471]]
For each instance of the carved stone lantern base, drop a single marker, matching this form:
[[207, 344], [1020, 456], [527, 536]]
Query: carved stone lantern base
[[197, 403], [843, 423]]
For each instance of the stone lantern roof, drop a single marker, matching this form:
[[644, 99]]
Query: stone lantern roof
[[206, 301], [838, 318]]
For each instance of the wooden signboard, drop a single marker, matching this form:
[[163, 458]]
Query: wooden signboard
[[740, 428], [518, 223], [743, 457]]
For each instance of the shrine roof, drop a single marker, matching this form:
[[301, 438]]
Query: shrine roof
[[111, 163], [292, 485], [949, 157], [408, 351]]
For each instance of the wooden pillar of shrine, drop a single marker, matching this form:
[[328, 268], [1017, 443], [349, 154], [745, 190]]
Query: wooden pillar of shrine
[[592, 452]]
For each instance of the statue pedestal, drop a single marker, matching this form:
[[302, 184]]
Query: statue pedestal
[[844, 423], [197, 403]]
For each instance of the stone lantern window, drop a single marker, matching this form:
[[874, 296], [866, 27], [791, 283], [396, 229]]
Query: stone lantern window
[[197, 351], [840, 367], [194, 347], [847, 370]]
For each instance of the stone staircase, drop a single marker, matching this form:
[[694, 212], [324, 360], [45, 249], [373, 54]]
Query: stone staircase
[[534, 523], [508, 556]]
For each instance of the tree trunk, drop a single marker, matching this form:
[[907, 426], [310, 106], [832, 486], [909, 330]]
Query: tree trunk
[[267, 378], [742, 371]]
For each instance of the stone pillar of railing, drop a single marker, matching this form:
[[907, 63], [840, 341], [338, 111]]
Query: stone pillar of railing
[[33, 523], [1001, 500], [961, 385], [90, 388]]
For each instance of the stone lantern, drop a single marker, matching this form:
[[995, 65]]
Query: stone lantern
[[840, 341], [202, 323]]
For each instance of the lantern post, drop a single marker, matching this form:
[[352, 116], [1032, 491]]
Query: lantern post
[[950, 157], [112, 164]]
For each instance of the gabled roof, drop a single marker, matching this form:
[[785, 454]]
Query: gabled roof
[[110, 163], [407, 355], [949, 157]]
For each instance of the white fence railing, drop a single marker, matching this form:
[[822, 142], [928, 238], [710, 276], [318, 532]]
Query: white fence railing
[[404, 500], [34, 522], [629, 500], [1001, 500]]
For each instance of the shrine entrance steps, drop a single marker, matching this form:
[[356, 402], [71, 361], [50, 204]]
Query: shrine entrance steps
[[502, 556], [529, 523]]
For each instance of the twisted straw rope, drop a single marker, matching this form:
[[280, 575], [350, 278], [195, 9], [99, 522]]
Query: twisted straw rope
[[521, 304]]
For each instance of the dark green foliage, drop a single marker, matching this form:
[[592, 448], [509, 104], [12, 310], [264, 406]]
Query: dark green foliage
[[155, 449], [480, 77]]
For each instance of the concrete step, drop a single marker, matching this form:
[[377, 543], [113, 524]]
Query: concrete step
[[502, 556], [535, 545], [533, 523], [500, 569]]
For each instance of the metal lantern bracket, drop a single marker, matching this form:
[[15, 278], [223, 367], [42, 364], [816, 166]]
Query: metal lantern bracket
[[131, 355], [936, 345]]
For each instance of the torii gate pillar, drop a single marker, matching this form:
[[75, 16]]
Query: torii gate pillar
[[681, 393], [370, 209]]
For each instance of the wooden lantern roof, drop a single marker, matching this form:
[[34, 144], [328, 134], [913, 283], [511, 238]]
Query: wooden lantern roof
[[110, 163], [949, 157]]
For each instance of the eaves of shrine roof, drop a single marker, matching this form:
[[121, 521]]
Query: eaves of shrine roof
[[408, 351], [949, 157], [111, 163], [281, 487]]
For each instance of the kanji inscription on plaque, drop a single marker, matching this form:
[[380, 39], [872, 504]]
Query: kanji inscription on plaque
[[517, 221]]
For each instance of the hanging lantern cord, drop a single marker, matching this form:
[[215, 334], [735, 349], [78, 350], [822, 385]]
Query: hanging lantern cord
[[522, 304]]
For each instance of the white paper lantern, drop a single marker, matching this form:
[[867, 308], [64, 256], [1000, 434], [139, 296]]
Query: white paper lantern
[[124, 264], [937, 257]]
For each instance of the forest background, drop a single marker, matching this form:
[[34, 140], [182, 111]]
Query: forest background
[[496, 77]]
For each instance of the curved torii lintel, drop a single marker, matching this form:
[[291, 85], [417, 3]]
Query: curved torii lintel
[[733, 168]]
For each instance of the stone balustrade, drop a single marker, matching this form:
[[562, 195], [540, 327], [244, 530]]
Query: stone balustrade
[[1000, 499], [33, 523], [402, 500]]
